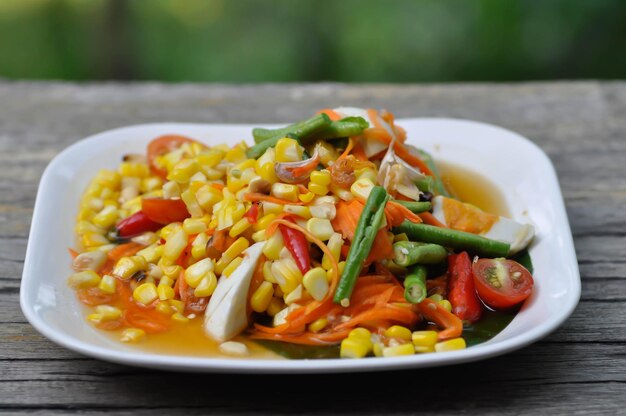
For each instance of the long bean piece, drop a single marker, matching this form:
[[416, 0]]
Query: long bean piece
[[415, 285], [408, 253], [453, 239], [438, 185], [415, 207], [366, 230], [301, 132], [346, 127], [301, 128]]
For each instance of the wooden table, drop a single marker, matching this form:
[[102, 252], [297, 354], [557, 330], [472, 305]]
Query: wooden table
[[579, 369]]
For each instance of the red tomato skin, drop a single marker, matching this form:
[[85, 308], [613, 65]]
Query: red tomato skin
[[461, 291], [164, 211], [502, 298], [162, 145], [136, 224]]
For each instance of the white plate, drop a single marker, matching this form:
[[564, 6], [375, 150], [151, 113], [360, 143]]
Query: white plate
[[517, 166]]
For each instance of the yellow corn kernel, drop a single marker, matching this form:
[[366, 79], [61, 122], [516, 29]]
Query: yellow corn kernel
[[343, 194], [267, 173], [285, 191], [151, 183], [236, 154], [108, 313], [262, 297], [198, 271], [84, 279], [194, 226], [341, 265], [267, 272], [166, 281], [361, 188], [132, 335], [306, 197], [165, 308], [239, 227], [207, 286], [83, 226], [318, 325], [366, 173], [137, 169], [398, 350], [94, 318], [232, 266], [318, 189], [288, 150], [175, 243], [152, 253], [424, 341], [273, 245], [445, 303], [177, 305], [128, 266], [397, 331], [198, 247], [165, 292], [231, 252], [170, 270], [436, 298], [320, 228], [316, 283], [360, 333], [275, 306], [320, 177], [271, 208], [335, 242], [92, 239], [259, 236], [183, 171], [194, 208], [299, 210], [145, 293], [92, 260], [108, 178], [263, 222], [377, 349], [107, 284], [293, 296], [353, 348], [179, 317], [450, 345], [210, 158], [286, 274]]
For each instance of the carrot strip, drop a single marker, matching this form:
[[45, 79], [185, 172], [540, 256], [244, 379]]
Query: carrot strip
[[387, 312], [430, 219], [397, 213], [73, 252], [332, 114], [451, 324], [254, 197], [359, 153]]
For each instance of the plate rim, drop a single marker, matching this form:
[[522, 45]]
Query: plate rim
[[269, 366]]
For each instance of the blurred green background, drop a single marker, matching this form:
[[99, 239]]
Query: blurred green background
[[312, 40]]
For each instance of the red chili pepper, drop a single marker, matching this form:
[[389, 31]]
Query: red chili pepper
[[253, 213], [136, 224], [297, 245], [461, 291]]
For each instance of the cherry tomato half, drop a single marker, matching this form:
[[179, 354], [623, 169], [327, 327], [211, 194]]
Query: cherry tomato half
[[501, 283], [164, 211], [162, 145]]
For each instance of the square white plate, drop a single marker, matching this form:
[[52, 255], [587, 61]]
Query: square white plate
[[515, 165]]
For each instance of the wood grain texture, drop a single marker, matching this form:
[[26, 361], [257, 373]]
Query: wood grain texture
[[579, 369]]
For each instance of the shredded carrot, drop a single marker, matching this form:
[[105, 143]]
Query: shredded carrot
[[306, 338], [397, 213], [347, 150], [359, 153], [430, 219], [73, 252], [217, 186], [452, 326], [254, 197], [332, 114]]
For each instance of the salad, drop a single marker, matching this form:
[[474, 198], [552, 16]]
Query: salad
[[332, 233]]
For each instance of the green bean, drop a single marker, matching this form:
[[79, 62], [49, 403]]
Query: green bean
[[408, 253], [366, 230], [453, 239], [301, 129], [426, 184], [258, 149], [415, 285], [346, 127], [415, 207], [438, 185]]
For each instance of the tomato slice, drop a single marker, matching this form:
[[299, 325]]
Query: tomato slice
[[164, 211], [162, 145], [502, 283]]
